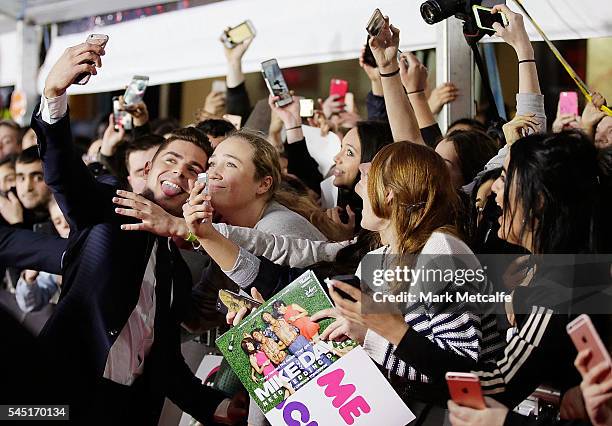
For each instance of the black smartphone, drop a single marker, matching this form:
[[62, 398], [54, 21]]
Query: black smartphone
[[230, 301], [368, 56], [352, 280]]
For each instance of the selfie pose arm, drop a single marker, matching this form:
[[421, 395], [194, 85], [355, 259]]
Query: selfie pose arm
[[76, 190], [402, 118]]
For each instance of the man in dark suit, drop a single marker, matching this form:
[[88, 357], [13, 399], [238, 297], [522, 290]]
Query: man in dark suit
[[115, 333]]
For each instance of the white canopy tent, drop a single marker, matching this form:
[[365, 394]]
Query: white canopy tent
[[183, 45]]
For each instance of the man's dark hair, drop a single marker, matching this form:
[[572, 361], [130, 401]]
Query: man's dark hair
[[11, 124], [188, 134], [216, 127], [470, 122], [9, 159], [143, 143], [28, 156], [162, 126]]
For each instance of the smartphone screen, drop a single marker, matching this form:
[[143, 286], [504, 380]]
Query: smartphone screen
[[375, 23], [136, 89], [584, 335], [275, 81], [464, 389], [485, 19], [241, 33], [568, 103]]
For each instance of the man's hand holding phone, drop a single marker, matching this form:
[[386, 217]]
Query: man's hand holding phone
[[112, 138], [72, 63]]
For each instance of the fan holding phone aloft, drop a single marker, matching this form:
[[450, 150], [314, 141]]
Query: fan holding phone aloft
[[273, 76]]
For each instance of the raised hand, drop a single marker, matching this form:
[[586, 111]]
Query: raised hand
[[235, 55], [215, 103], [72, 63], [289, 114], [138, 111], [385, 46], [331, 105], [413, 73], [520, 126], [514, 33], [154, 218], [112, 138], [442, 95]]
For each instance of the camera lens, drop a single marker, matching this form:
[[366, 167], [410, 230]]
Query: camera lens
[[431, 12], [434, 11]]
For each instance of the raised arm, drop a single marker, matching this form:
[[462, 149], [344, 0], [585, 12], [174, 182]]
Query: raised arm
[[75, 188], [237, 98], [529, 99], [402, 118], [414, 78]]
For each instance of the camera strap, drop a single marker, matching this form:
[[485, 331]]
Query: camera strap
[[568, 68]]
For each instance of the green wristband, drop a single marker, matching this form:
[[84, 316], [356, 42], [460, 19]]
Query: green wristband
[[191, 237]]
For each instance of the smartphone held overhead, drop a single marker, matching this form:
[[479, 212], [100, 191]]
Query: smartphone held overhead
[[485, 18], [238, 34], [273, 76], [375, 23], [99, 39]]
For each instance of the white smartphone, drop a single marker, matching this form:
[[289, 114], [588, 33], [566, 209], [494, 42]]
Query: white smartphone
[[306, 107], [219, 86], [136, 89], [100, 39], [203, 178], [485, 19]]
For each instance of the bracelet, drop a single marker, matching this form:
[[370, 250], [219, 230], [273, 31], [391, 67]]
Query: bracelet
[[391, 74], [191, 238], [416, 91], [294, 128], [526, 61]]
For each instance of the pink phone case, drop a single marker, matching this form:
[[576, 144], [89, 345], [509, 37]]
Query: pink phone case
[[584, 335], [568, 103]]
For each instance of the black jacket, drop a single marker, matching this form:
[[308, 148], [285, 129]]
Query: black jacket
[[103, 270]]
